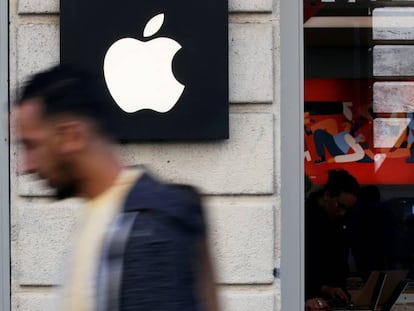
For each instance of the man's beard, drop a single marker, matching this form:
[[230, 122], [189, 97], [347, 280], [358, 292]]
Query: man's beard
[[66, 191], [69, 187]]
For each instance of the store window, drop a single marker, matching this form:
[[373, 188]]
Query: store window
[[358, 130]]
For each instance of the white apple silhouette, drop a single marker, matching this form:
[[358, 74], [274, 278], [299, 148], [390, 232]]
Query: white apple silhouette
[[139, 74]]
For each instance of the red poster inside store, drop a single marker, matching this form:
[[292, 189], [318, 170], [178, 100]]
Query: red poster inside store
[[342, 131]]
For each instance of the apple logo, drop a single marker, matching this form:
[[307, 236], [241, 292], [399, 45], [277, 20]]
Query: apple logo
[[139, 74]]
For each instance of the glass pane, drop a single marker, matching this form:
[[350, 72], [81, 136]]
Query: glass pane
[[359, 152]]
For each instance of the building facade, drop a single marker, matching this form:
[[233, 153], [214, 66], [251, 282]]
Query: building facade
[[242, 179]]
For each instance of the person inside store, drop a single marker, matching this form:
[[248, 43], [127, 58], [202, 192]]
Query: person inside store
[[142, 243], [367, 227], [326, 243]]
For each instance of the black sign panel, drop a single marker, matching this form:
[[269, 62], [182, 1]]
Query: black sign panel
[[163, 64]]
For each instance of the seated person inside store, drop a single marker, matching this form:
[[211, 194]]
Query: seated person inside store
[[326, 246]]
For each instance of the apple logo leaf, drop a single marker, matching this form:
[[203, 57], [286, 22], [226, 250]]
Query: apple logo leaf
[[154, 25], [139, 74]]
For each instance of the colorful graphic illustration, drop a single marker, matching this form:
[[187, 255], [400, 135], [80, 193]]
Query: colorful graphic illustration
[[342, 130]]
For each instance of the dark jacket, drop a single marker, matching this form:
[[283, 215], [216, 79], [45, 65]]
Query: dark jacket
[[149, 258]]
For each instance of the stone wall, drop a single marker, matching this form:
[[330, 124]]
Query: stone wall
[[239, 177]]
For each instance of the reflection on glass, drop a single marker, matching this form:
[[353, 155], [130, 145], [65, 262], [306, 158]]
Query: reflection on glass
[[393, 23], [387, 131], [391, 96], [393, 61]]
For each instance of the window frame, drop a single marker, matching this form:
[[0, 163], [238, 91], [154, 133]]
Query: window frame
[[292, 155], [4, 159]]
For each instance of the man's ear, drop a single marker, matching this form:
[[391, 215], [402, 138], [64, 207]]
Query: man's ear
[[72, 136]]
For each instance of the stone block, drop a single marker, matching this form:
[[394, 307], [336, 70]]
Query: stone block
[[37, 49], [250, 63], [393, 60], [278, 298], [43, 245], [250, 6], [244, 164], [35, 302], [247, 301], [242, 241], [38, 6]]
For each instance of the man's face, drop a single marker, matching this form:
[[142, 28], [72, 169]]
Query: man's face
[[338, 206], [41, 143]]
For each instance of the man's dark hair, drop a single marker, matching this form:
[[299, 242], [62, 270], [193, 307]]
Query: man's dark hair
[[341, 181], [65, 90]]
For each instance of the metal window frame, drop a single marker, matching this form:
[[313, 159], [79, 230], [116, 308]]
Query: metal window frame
[[4, 159], [292, 163]]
